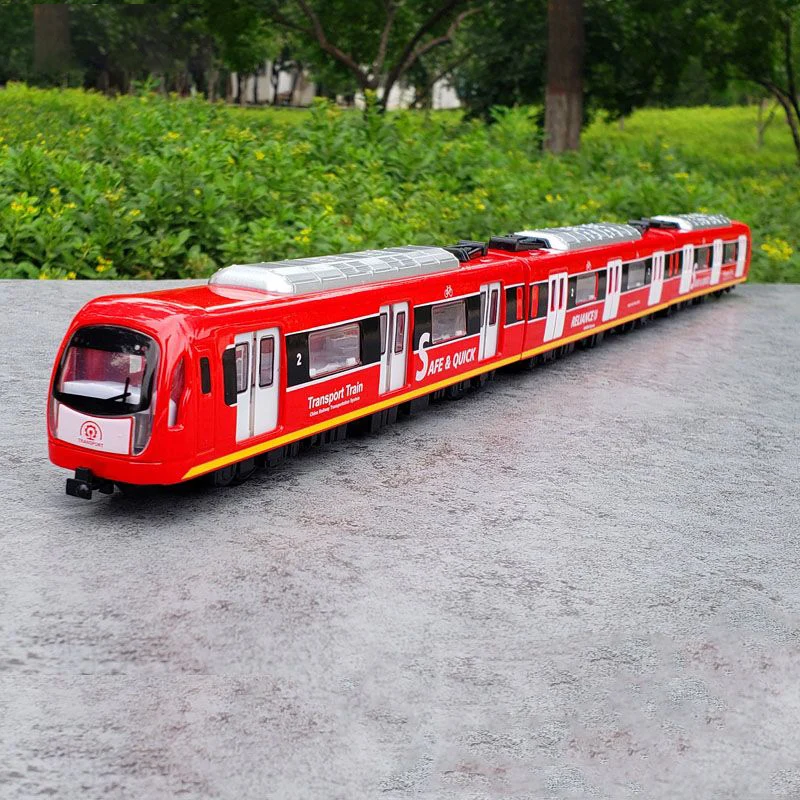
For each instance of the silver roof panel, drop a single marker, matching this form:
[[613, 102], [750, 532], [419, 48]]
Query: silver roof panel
[[581, 237], [306, 275], [694, 222]]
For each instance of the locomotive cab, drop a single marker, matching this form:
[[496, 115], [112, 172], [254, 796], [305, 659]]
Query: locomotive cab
[[106, 372], [113, 388]]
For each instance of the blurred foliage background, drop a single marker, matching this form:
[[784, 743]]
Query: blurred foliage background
[[124, 151]]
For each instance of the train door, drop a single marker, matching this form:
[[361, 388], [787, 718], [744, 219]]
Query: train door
[[394, 347], [741, 256], [557, 307], [613, 289], [687, 268], [257, 382], [656, 279], [490, 319], [716, 263]]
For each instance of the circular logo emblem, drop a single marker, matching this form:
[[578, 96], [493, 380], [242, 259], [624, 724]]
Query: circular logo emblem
[[448, 291], [91, 432]]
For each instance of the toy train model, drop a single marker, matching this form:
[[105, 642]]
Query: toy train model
[[215, 380]]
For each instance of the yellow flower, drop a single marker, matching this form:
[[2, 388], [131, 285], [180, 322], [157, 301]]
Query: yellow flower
[[777, 249], [17, 208], [645, 166], [134, 212], [70, 205], [259, 155], [549, 198], [197, 193], [43, 276], [681, 176], [172, 136], [71, 276], [103, 264], [55, 191]]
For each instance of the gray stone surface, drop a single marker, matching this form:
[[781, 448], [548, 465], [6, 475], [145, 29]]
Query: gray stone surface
[[582, 582]]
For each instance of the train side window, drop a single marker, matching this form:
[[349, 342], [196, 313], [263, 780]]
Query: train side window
[[512, 312], [730, 252], [334, 349], [449, 321], [229, 376], [539, 292], [493, 305], [242, 367], [205, 376], [585, 288], [400, 332], [635, 274], [520, 302], [384, 332], [266, 361], [702, 258]]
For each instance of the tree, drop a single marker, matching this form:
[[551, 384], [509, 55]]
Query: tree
[[52, 44], [756, 40], [563, 105], [375, 42]]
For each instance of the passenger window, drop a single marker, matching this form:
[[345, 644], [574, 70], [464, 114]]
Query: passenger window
[[334, 349], [636, 273], [205, 376], [533, 307], [702, 258], [495, 302], [242, 367], [400, 332], [585, 288], [520, 310], [730, 252], [541, 309], [384, 332], [449, 321], [266, 361]]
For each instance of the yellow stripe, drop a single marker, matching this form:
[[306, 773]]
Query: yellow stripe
[[288, 438]]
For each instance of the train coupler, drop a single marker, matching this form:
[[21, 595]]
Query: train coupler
[[84, 484]]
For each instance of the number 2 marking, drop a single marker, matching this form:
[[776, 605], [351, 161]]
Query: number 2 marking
[[299, 359]]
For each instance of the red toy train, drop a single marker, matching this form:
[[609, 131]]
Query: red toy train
[[213, 380]]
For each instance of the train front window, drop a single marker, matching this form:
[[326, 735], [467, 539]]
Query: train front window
[[107, 370]]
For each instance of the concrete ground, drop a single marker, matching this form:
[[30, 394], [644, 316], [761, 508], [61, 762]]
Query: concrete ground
[[581, 582]]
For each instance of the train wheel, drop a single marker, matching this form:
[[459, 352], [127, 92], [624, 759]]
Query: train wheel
[[223, 477], [244, 469]]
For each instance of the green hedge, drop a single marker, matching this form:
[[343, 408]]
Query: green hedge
[[156, 187]]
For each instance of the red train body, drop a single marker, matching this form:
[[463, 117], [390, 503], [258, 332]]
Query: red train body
[[163, 387]]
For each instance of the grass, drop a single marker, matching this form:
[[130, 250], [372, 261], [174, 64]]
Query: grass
[[154, 187]]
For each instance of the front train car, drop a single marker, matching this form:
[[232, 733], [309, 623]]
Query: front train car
[[118, 403]]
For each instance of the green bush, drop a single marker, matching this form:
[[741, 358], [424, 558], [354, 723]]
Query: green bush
[[159, 187]]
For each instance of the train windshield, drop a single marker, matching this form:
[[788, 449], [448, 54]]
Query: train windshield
[[107, 370]]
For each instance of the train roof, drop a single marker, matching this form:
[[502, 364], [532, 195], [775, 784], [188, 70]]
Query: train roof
[[307, 275], [580, 237], [692, 222]]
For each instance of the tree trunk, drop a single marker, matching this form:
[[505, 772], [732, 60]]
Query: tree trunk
[[563, 113], [52, 44]]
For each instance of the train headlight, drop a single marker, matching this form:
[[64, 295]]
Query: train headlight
[[142, 428]]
